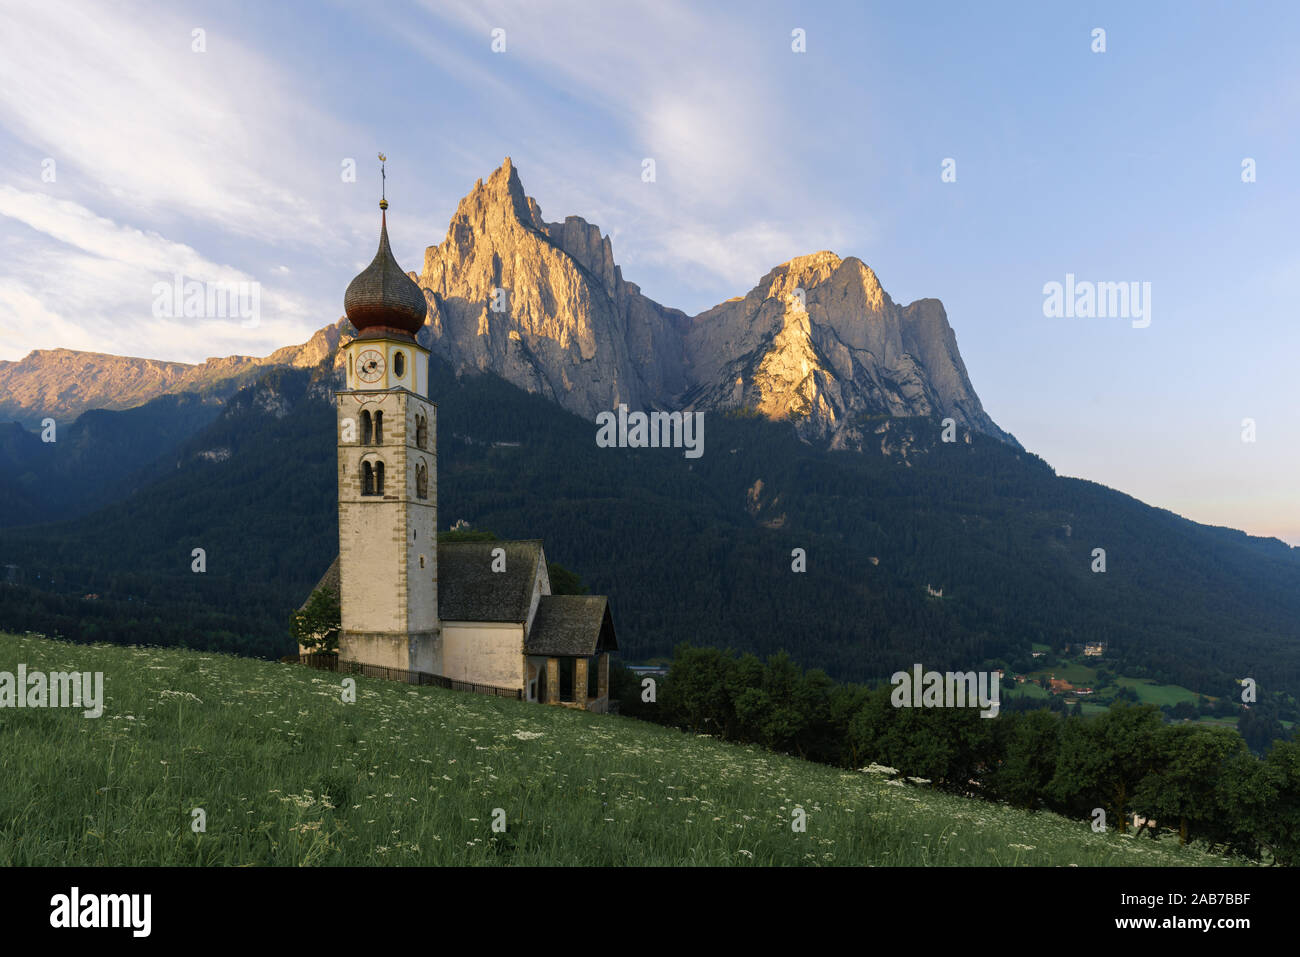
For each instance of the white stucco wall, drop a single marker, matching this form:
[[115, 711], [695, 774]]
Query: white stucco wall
[[487, 653]]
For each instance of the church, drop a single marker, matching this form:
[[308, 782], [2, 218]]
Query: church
[[473, 613]]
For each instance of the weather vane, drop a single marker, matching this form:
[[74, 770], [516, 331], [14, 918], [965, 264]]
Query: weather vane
[[383, 176]]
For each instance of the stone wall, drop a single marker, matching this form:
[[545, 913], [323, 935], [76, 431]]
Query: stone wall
[[388, 555]]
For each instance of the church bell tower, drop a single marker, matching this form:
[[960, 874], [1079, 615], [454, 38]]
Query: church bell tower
[[388, 484]]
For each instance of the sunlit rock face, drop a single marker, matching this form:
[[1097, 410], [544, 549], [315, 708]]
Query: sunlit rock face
[[817, 341], [543, 305]]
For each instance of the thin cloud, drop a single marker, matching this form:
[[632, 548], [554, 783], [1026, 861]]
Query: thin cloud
[[78, 264], [663, 82], [133, 117]]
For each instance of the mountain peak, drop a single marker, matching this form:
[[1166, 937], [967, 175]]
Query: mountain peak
[[494, 205], [817, 341], [813, 260], [545, 307], [505, 178]]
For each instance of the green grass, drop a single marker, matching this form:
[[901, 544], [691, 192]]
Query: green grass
[[1149, 692], [288, 774], [1083, 675], [1077, 674]]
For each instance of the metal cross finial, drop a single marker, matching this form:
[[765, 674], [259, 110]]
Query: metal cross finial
[[383, 195]]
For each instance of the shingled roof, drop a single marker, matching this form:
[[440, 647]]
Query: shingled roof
[[469, 590], [571, 625], [329, 580]]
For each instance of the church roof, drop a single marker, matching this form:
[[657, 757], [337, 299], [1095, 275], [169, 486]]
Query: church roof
[[329, 580], [469, 590], [571, 625], [384, 298]]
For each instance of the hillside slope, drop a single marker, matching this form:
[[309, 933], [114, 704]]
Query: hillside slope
[[286, 773], [688, 550], [63, 383]]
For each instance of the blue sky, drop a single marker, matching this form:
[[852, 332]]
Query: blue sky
[[1115, 166]]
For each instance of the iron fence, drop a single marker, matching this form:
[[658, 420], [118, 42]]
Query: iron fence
[[329, 661]]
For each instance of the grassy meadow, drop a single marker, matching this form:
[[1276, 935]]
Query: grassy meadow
[[288, 774]]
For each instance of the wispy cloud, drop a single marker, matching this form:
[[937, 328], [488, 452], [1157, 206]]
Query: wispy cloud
[[83, 280], [134, 117], [149, 139], [662, 81]]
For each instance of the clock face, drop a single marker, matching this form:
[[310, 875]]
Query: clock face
[[370, 365]]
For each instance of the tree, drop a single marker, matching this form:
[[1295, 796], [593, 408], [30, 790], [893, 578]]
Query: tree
[[1190, 760], [822, 736], [695, 695], [316, 625], [1103, 759], [784, 721], [1031, 758], [1260, 726], [563, 581], [744, 686], [1281, 824], [946, 745], [845, 701]]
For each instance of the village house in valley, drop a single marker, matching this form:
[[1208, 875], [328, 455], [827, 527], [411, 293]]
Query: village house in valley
[[477, 613]]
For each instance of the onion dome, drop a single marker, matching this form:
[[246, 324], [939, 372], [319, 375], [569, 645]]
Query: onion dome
[[382, 298]]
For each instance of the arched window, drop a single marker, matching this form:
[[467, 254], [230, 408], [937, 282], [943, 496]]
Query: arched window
[[421, 432], [367, 479], [379, 428], [399, 364], [379, 478], [421, 480], [366, 427]]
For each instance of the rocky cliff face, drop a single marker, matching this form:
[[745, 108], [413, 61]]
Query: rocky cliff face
[[820, 343], [543, 305], [817, 341]]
